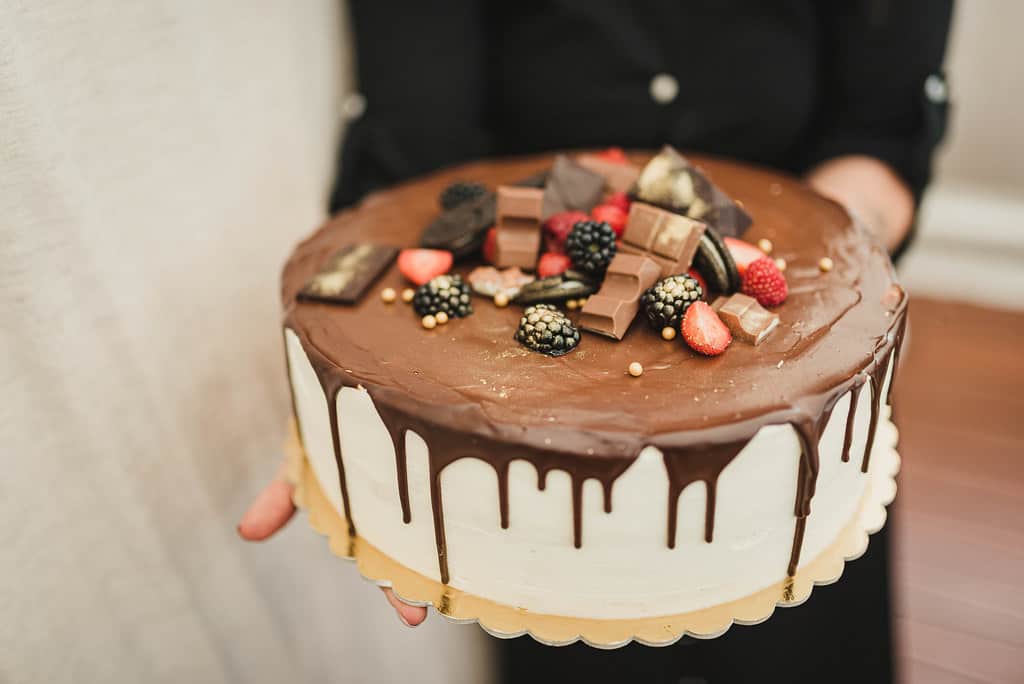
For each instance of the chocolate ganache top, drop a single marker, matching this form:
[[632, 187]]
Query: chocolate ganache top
[[471, 378]]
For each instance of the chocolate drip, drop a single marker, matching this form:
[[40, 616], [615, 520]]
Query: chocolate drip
[[702, 463], [897, 348], [850, 422], [877, 375], [798, 544], [397, 433]]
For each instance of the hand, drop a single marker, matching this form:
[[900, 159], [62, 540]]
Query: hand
[[273, 508]]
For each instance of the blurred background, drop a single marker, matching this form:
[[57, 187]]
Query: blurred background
[[157, 162]]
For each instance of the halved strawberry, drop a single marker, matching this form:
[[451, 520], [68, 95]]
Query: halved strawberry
[[612, 215], [490, 248], [613, 154], [620, 200], [552, 263], [743, 253], [422, 265], [764, 282], [695, 274], [704, 331], [558, 226]]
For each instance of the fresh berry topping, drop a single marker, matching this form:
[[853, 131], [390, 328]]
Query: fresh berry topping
[[420, 265], [457, 193], [545, 329], [444, 294], [591, 246], [667, 300], [764, 282], [704, 331], [743, 253], [551, 264], [558, 226], [490, 248], [695, 274], [620, 200], [612, 215], [613, 154]]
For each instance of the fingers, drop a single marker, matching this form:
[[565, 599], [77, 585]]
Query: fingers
[[269, 511], [409, 615]]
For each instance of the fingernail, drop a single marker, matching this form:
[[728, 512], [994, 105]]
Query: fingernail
[[402, 618]]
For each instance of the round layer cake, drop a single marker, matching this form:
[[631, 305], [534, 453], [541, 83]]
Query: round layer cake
[[566, 485]]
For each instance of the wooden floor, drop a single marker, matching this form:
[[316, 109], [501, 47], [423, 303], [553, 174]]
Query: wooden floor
[[959, 526]]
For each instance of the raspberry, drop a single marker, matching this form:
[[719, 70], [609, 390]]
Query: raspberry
[[612, 215], [764, 282], [613, 154], [557, 229], [551, 264], [620, 200], [490, 247]]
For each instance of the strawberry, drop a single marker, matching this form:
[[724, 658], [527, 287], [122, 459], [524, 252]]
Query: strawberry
[[743, 253], [558, 226], [695, 274], [613, 154], [552, 263], [489, 250], [422, 265], [612, 215], [620, 200], [764, 282], [704, 331]]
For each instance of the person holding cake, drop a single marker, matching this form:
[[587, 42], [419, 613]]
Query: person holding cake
[[850, 96]]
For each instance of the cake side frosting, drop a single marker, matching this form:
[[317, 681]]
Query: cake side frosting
[[471, 394]]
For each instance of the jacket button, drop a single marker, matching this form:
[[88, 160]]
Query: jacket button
[[663, 88], [935, 89]]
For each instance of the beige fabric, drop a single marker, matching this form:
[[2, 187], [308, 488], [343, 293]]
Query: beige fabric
[[157, 160]]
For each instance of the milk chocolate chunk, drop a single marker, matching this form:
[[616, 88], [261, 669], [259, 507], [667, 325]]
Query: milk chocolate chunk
[[618, 176], [669, 180], [715, 263], [747, 320], [462, 230], [348, 273], [669, 239], [611, 311], [518, 220], [570, 186], [556, 288]]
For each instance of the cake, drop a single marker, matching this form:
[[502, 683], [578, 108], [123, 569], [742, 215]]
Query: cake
[[624, 478]]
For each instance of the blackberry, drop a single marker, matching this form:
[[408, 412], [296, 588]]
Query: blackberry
[[667, 300], [545, 329], [445, 293], [459, 192], [591, 246]]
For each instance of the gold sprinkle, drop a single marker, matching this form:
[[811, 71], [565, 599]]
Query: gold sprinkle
[[388, 294], [765, 245], [441, 317], [571, 304], [635, 369], [825, 264], [668, 333], [781, 263], [407, 294], [429, 322], [501, 300], [582, 301]]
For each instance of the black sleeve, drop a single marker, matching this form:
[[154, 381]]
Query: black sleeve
[[420, 67], [883, 93]]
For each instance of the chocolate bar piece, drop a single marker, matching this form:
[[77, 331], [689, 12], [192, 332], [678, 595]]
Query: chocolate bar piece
[[348, 273], [611, 311], [570, 186], [518, 217], [670, 239], [747, 320], [618, 176], [672, 182]]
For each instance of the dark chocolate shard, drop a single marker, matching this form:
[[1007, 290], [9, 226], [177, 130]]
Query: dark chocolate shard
[[670, 181], [716, 264], [348, 273], [571, 187], [462, 230], [557, 288]]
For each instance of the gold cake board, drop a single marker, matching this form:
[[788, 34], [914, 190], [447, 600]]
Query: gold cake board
[[507, 622]]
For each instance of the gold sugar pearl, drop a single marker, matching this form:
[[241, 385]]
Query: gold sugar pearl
[[441, 317], [429, 322], [582, 301], [635, 369], [765, 245], [572, 304], [781, 263], [668, 333], [826, 264], [501, 300], [407, 294], [389, 295]]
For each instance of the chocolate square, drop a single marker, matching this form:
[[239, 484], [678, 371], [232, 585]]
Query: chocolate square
[[519, 202], [571, 187], [669, 239], [746, 319], [618, 176], [348, 273], [611, 311]]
